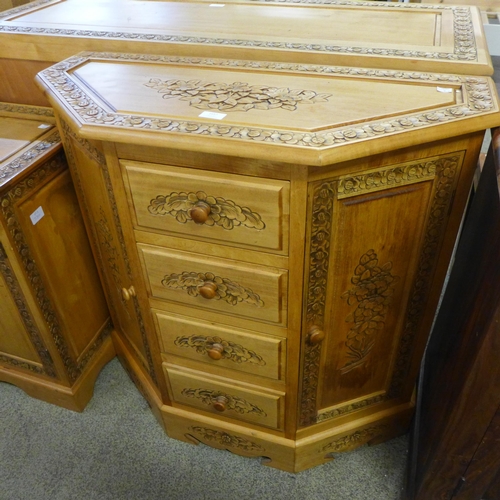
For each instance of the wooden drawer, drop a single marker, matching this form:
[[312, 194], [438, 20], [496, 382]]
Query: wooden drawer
[[224, 398], [228, 208], [223, 346], [222, 285]]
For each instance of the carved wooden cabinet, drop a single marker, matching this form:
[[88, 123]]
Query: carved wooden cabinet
[[404, 36], [274, 237], [54, 322]]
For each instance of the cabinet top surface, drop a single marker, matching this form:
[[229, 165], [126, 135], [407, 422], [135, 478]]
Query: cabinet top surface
[[370, 34], [294, 112], [26, 134]]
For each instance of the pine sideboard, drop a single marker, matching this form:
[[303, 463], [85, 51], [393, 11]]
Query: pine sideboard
[[273, 237], [54, 323], [395, 35]]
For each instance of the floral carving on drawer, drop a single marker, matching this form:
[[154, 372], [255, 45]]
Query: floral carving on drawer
[[237, 96], [222, 401], [228, 350], [373, 293], [215, 211], [210, 286]]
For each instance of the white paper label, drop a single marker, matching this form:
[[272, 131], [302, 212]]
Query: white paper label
[[217, 5], [446, 90], [44, 125], [212, 114], [37, 215]]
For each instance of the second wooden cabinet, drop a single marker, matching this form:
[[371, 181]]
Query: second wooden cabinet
[[273, 240]]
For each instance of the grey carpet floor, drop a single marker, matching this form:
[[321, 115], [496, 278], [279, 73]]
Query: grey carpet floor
[[116, 450]]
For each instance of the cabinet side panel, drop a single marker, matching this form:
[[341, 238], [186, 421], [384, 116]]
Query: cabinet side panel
[[61, 248], [375, 257], [91, 182]]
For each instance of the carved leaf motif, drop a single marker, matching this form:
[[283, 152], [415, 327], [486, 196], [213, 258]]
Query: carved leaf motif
[[224, 213], [237, 96], [227, 290], [234, 403], [231, 351]]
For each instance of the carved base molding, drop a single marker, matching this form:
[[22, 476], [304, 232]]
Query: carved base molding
[[292, 455]]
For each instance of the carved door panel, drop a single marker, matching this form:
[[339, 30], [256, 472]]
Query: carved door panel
[[93, 185], [373, 247]]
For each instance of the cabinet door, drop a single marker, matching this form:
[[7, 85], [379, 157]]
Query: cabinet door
[[93, 184], [21, 344], [374, 243]]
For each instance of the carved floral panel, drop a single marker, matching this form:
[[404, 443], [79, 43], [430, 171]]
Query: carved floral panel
[[237, 96]]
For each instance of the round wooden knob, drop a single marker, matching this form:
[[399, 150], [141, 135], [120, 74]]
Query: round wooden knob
[[208, 290], [216, 351], [316, 335], [200, 212], [220, 403], [128, 293]]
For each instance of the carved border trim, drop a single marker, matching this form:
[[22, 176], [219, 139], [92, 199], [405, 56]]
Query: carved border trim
[[477, 95], [10, 169], [29, 323], [25, 7], [7, 201], [446, 172], [225, 439], [41, 111], [354, 440], [95, 155], [321, 227], [375, 180], [464, 47], [447, 169]]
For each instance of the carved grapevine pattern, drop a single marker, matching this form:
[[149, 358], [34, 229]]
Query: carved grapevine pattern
[[234, 403], [231, 351], [237, 96], [373, 293], [224, 213], [227, 290]]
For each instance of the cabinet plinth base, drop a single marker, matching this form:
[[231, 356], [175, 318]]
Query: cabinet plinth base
[[285, 454], [73, 398]]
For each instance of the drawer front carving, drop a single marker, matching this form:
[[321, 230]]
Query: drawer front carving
[[222, 346], [219, 284], [227, 399], [224, 207]]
